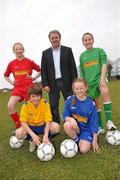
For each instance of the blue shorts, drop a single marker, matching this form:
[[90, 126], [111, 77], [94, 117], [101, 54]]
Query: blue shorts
[[85, 135], [37, 130]]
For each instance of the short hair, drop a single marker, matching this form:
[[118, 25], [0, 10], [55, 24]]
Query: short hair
[[87, 33], [18, 43], [54, 31], [36, 89]]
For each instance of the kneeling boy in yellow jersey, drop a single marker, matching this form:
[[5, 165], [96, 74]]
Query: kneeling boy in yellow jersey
[[36, 119]]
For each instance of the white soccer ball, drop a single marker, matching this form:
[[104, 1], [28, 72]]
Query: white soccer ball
[[15, 143], [113, 137], [68, 148], [45, 152]]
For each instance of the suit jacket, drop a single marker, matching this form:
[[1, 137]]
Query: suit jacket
[[67, 66]]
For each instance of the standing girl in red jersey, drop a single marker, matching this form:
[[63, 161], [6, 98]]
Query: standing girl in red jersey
[[21, 68]]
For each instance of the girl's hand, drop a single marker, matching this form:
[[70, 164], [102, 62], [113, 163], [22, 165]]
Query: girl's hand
[[12, 83], [102, 83], [33, 78], [94, 143], [28, 76], [73, 123], [95, 146]]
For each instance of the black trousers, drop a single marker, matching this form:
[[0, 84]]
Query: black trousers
[[54, 98]]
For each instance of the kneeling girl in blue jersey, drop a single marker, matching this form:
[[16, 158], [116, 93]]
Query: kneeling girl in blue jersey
[[80, 118]]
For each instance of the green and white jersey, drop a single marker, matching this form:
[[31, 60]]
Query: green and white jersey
[[91, 62]]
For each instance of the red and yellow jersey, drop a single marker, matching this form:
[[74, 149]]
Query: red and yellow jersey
[[36, 116], [20, 71]]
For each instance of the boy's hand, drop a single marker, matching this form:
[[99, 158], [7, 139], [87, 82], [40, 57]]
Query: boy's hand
[[46, 140], [36, 139]]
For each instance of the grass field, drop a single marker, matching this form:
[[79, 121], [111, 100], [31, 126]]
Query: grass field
[[23, 165]]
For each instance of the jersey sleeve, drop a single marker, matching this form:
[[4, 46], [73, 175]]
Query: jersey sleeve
[[81, 68], [35, 66], [24, 113], [8, 71], [47, 115], [67, 111], [103, 57], [93, 117]]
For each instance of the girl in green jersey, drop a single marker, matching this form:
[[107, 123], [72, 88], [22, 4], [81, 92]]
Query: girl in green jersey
[[93, 68]]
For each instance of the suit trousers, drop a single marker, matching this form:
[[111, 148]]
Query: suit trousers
[[54, 98]]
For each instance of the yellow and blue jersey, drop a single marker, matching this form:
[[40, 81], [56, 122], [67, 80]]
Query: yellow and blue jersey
[[36, 116]]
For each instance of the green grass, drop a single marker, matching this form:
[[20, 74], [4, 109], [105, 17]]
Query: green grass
[[22, 165]]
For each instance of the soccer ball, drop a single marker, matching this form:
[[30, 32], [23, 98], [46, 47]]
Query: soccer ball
[[113, 137], [15, 143], [45, 152], [68, 148]]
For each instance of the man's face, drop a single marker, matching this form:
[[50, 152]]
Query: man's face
[[55, 40]]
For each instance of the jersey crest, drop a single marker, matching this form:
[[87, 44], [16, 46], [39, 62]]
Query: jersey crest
[[74, 100]]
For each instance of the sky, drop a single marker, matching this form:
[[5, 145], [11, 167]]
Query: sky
[[29, 22]]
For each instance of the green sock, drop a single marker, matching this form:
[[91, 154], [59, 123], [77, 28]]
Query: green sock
[[108, 111], [100, 118]]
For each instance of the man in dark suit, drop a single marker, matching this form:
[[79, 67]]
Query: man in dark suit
[[58, 72]]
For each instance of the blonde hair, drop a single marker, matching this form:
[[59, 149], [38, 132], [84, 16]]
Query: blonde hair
[[18, 43], [79, 80]]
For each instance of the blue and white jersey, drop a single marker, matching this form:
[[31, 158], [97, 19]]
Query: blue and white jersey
[[84, 112]]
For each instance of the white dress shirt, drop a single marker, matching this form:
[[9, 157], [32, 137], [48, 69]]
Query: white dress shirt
[[56, 58]]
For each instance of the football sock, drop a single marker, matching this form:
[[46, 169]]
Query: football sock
[[108, 111], [16, 120], [76, 139], [100, 122]]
